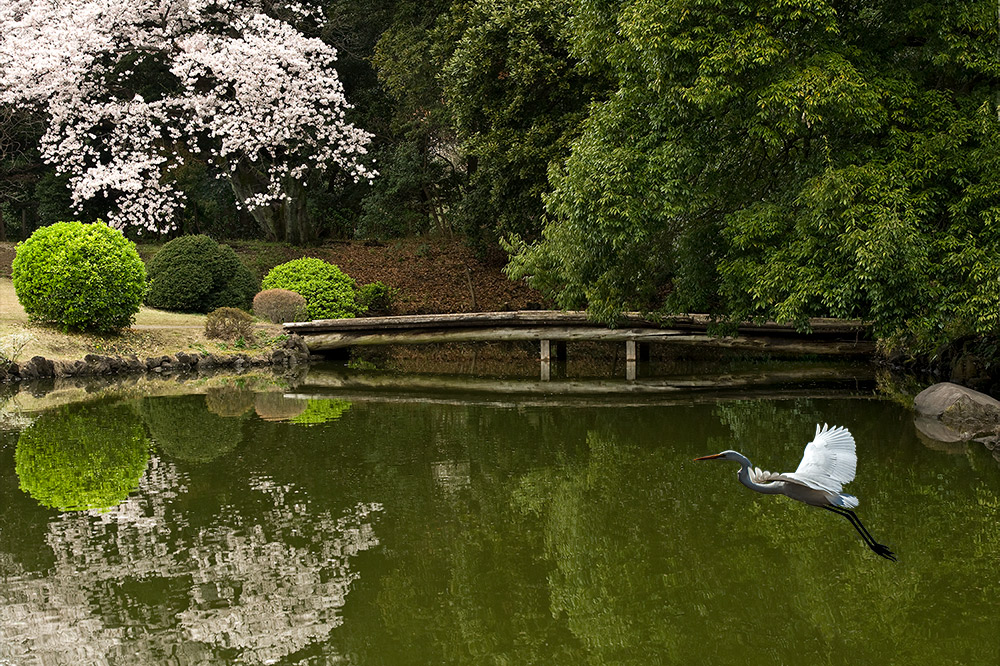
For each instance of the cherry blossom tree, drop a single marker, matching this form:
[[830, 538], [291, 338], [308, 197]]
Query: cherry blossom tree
[[133, 90]]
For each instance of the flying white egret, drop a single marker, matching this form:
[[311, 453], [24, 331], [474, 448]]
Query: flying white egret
[[828, 462]]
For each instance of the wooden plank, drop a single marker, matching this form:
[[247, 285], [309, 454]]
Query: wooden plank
[[558, 318], [330, 340]]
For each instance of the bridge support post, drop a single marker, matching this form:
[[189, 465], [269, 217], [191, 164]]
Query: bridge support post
[[545, 358], [634, 351], [630, 354], [547, 350]]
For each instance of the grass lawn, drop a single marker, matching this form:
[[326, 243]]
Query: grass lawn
[[155, 332]]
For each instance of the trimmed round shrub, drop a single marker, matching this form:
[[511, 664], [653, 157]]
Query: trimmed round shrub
[[329, 292], [229, 324], [279, 306], [196, 274], [79, 276]]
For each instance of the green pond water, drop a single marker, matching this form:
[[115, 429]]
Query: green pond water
[[327, 526]]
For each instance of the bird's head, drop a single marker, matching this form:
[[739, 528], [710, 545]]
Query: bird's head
[[725, 455]]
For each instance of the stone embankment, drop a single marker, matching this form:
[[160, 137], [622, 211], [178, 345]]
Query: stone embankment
[[293, 353]]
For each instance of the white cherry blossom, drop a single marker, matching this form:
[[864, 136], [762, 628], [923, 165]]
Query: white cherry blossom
[[132, 89]]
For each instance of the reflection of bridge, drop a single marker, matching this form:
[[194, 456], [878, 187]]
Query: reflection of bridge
[[814, 379], [826, 337]]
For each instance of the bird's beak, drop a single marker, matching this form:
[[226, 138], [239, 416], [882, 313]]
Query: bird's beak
[[713, 457]]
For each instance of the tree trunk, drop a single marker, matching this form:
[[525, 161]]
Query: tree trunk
[[3, 229], [287, 220]]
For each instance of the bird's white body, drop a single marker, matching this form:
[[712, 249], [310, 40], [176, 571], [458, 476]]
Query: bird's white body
[[828, 462]]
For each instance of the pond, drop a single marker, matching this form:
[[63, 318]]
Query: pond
[[327, 525]]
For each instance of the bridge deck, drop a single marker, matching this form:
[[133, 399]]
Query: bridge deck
[[827, 336]]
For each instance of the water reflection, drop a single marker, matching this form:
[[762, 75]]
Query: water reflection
[[88, 458], [152, 582], [185, 429], [505, 533]]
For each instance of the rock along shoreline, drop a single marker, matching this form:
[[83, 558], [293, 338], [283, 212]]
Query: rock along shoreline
[[293, 353]]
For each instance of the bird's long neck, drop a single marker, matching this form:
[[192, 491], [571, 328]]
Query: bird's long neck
[[744, 477]]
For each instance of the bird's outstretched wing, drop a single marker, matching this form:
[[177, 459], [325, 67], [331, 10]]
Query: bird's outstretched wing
[[829, 461]]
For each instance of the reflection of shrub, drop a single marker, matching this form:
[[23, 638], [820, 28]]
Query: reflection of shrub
[[279, 306], [229, 400], [82, 458], [196, 274], [276, 407], [329, 292], [184, 429], [229, 324], [79, 276], [321, 411]]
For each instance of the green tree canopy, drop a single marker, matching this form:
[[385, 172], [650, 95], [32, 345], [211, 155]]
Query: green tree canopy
[[517, 99], [783, 159]]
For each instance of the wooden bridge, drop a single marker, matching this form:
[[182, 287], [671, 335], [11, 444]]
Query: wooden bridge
[[552, 329]]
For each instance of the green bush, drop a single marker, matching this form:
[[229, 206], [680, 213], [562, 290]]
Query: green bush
[[329, 292], [279, 306], [229, 324], [196, 274], [79, 276], [376, 298]]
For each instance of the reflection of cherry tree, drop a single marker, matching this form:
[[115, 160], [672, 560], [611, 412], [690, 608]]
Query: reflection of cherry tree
[[261, 586]]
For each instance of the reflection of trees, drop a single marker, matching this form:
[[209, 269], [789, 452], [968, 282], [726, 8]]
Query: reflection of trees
[[654, 553], [184, 429], [529, 536], [145, 584], [641, 556], [604, 538], [82, 457]]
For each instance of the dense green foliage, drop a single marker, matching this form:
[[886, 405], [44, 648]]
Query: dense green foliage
[[196, 274], [329, 292], [79, 458], [775, 159], [79, 276], [517, 99], [784, 160]]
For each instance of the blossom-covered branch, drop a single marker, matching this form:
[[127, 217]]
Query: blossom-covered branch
[[132, 90]]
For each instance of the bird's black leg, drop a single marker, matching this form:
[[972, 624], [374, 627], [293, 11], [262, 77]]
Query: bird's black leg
[[876, 547]]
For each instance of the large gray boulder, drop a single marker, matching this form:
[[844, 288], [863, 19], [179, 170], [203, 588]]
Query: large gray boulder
[[948, 412]]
